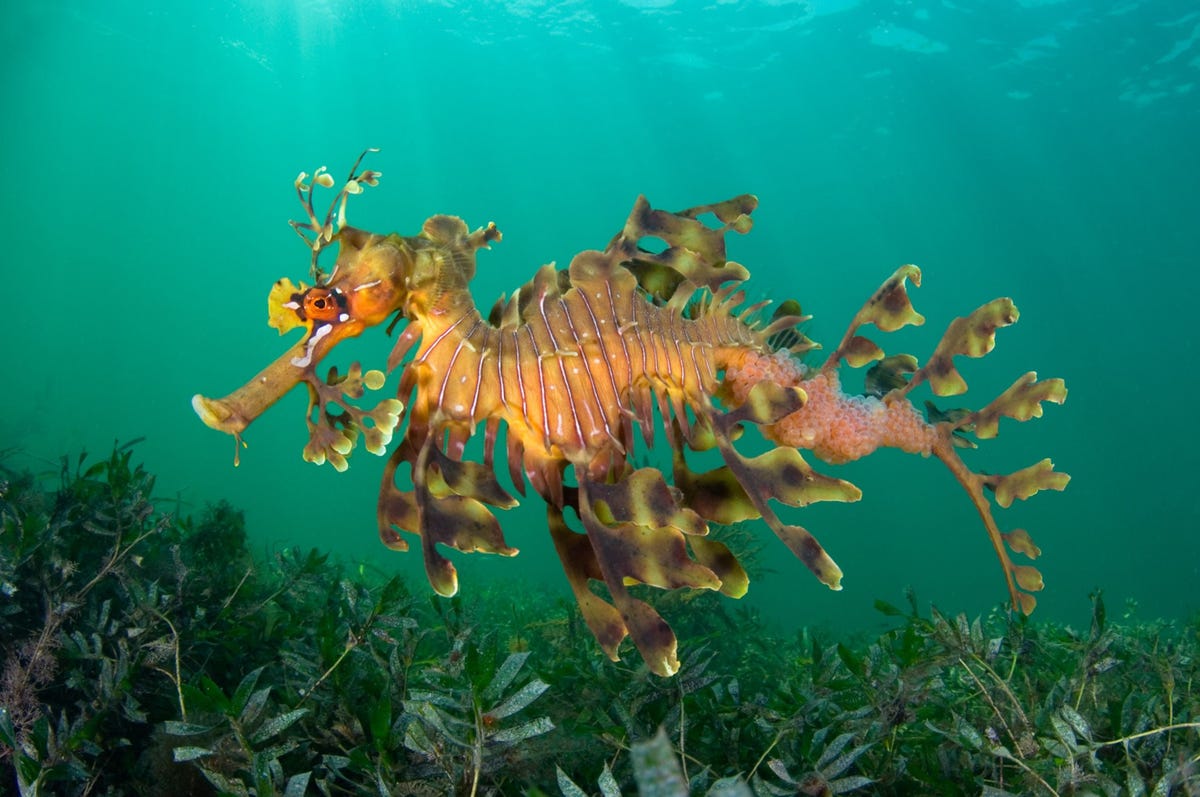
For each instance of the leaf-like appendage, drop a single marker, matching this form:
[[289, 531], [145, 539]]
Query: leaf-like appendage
[[1022, 401], [890, 373], [654, 639], [658, 557], [384, 419], [715, 495], [1021, 579], [470, 479], [766, 403], [335, 429], [694, 250], [643, 498], [580, 565], [859, 351], [1020, 541], [1028, 578], [717, 557], [1027, 482], [329, 443], [464, 524], [783, 475], [808, 550], [279, 315], [972, 336], [890, 308]]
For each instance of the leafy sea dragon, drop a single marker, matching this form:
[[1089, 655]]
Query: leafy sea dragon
[[574, 360]]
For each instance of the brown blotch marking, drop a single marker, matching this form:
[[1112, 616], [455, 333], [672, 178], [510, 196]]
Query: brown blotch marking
[[714, 555], [792, 474], [810, 552], [643, 497], [715, 495], [471, 479]]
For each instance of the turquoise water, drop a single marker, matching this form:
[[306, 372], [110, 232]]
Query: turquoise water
[[1040, 150]]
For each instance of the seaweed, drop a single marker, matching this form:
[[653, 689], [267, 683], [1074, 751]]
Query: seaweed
[[142, 652]]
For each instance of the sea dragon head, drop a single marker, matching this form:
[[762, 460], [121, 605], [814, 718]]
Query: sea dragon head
[[374, 277]]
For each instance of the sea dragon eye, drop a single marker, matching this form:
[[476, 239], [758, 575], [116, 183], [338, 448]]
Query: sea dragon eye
[[322, 304]]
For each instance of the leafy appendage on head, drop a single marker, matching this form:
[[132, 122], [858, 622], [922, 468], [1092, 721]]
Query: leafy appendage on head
[[320, 233]]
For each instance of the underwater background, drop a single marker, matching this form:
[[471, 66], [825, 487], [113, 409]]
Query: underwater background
[[1035, 149]]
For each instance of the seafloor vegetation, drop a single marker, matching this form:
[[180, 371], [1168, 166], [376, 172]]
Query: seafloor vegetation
[[146, 652]]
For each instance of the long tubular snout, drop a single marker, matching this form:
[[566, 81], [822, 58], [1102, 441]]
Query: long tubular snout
[[238, 410]]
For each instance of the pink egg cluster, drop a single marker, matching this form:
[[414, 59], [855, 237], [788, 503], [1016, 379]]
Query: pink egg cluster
[[752, 368], [835, 427]]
